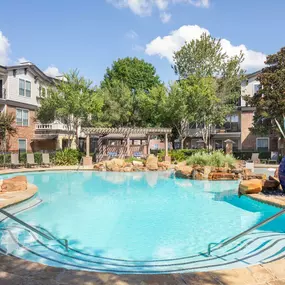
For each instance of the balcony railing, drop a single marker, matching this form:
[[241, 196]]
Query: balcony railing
[[52, 127]]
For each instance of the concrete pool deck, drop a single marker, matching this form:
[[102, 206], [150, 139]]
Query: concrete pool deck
[[15, 271]]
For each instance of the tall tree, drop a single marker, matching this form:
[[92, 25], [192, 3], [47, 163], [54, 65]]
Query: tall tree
[[204, 62], [270, 99], [7, 128], [151, 106], [179, 109], [72, 100], [135, 73], [117, 106]]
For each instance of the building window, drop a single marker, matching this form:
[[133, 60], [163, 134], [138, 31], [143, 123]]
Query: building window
[[262, 144], [256, 88], [232, 123], [24, 88], [22, 117], [21, 87], [22, 145]]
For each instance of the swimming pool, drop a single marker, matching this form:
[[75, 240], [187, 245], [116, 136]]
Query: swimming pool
[[149, 222]]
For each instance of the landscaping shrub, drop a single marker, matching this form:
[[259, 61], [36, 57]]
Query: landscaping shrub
[[131, 159], [67, 157], [216, 159], [199, 158], [178, 155]]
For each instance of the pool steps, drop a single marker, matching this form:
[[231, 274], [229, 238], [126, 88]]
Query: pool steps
[[254, 248]]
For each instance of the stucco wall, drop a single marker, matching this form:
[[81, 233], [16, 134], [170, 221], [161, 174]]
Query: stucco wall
[[12, 86], [247, 88]]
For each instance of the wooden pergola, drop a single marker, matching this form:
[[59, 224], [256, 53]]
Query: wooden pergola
[[126, 132]]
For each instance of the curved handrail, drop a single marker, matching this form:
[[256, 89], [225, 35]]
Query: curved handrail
[[65, 241], [244, 232], [81, 161]]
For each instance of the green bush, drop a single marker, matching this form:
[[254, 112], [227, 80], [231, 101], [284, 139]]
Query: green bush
[[7, 158], [178, 155], [67, 157], [246, 155], [216, 158], [131, 159]]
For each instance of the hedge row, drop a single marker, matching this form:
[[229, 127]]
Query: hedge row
[[178, 155], [64, 157]]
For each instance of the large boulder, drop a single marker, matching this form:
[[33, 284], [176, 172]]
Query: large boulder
[[137, 163], [222, 176], [271, 184], [252, 186], [18, 183], [184, 172], [152, 162], [115, 164], [164, 165], [100, 166], [206, 171], [128, 168]]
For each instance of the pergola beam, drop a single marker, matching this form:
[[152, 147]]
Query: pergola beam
[[126, 131]]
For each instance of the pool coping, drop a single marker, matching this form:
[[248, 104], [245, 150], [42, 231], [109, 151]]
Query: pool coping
[[17, 270]]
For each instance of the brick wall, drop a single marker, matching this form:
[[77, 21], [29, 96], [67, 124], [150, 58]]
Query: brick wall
[[248, 140], [22, 132], [49, 145]]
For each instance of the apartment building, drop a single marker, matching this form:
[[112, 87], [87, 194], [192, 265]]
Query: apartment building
[[237, 127], [21, 88]]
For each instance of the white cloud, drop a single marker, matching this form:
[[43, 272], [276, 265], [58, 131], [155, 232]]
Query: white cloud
[[165, 17], [165, 46], [4, 49], [145, 7], [161, 4], [131, 34], [52, 71], [21, 60]]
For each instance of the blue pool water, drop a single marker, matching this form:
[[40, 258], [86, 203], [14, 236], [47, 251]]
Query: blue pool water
[[128, 222]]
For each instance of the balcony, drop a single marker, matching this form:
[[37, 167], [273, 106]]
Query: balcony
[[56, 127]]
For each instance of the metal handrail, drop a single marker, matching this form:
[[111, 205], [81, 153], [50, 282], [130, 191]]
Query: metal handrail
[[243, 233], [65, 241], [81, 160]]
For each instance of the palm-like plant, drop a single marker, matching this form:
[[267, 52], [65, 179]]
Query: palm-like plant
[[6, 128]]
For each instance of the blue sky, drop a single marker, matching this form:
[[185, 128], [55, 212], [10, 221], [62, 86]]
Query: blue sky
[[90, 34]]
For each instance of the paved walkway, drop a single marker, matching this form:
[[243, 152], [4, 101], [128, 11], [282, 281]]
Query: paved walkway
[[14, 271]]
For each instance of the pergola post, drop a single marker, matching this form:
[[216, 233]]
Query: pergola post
[[128, 146], [148, 144], [166, 158], [87, 160], [88, 145]]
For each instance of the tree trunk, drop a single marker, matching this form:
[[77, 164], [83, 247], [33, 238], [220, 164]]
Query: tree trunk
[[182, 140]]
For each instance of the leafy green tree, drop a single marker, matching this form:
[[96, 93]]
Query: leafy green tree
[[215, 79], [179, 109], [7, 128], [151, 106], [138, 76], [135, 73], [117, 106], [202, 57], [72, 100], [270, 99]]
